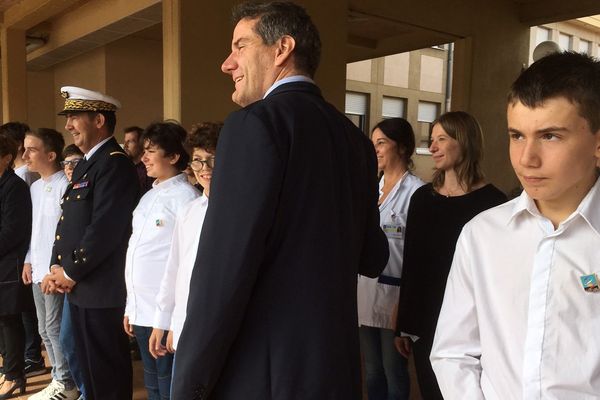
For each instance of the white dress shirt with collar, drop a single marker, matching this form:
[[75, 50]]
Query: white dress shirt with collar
[[46, 195], [153, 224], [90, 153], [24, 173], [175, 286], [516, 322], [289, 79], [377, 297]]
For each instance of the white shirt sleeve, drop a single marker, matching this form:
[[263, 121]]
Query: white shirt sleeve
[[165, 300], [456, 352]]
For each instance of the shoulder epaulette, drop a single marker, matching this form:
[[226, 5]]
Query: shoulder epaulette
[[118, 152]]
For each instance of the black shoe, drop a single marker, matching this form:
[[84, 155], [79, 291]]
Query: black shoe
[[34, 368], [19, 383]]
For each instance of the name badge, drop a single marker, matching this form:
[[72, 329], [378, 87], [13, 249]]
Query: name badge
[[590, 283], [80, 185], [393, 230], [159, 222]]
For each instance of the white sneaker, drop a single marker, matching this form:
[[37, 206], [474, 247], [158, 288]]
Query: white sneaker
[[56, 391]]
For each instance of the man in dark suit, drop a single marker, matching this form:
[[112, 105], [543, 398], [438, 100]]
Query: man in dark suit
[[292, 219], [91, 241]]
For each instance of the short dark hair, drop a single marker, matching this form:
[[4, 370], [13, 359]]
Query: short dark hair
[[170, 137], [110, 119], [72, 150], [205, 135], [8, 146], [279, 18], [15, 130], [465, 129], [53, 141], [574, 76], [401, 132], [135, 129]]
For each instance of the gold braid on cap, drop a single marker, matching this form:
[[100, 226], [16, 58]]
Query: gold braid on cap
[[88, 105]]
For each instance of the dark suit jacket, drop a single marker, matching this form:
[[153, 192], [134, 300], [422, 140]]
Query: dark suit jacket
[[15, 232], [93, 231], [292, 220]]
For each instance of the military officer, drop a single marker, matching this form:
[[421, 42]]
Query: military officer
[[88, 258]]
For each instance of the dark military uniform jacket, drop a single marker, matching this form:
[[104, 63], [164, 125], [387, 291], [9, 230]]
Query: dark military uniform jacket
[[93, 231]]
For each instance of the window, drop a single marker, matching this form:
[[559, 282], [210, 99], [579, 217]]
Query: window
[[356, 109], [426, 114], [585, 46], [565, 41], [393, 107], [542, 34]]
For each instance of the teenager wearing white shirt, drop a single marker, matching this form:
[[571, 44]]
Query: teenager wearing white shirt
[[153, 223], [43, 153], [520, 317], [386, 369], [175, 286]]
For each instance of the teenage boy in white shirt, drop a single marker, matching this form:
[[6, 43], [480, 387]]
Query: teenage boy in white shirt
[[43, 153], [153, 222], [172, 298], [521, 311]]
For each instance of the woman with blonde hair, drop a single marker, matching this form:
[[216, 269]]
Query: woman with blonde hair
[[436, 215]]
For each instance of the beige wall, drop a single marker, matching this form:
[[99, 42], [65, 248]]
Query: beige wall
[[40, 93], [134, 76]]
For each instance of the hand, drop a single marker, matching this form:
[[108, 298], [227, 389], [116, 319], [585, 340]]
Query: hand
[[48, 285], [403, 345], [26, 275], [63, 284], [127, 326], [155, 346], [170, 347]]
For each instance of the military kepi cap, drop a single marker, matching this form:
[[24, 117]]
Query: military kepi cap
[[82, 100]]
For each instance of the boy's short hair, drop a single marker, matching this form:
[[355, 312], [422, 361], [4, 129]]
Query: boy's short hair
[[574, 76], [72, 150], [15, 130], [205, 135], [8, 146], [53, 141], [170, 137]]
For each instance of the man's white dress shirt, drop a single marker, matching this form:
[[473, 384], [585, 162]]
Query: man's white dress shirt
[[175, 286], [516, 322], [46, 195], [153, 223]]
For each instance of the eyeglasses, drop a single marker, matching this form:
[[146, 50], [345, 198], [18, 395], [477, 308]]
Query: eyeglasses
[[70, 163], [198, 164]]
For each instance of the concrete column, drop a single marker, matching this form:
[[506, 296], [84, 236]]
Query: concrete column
[[197, 38], [485, 66], [14, 75]]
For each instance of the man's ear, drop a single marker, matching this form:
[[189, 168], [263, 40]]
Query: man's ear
[[285, 48], [51, 156], [99, 120]]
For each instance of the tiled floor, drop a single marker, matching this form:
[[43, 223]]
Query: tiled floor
[[37, 383]]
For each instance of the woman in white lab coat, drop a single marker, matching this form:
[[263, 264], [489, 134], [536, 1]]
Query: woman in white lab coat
[[153, 224], [386, 370], [172, 297]]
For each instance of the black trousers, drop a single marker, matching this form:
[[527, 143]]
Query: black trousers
[[425, 375], [102, 349], [12, 338]]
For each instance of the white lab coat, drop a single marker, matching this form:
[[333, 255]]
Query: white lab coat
[[377, 297]]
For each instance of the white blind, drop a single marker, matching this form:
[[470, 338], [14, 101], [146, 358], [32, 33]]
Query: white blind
[[356, 103], [427, 112], [585, 46], [564, 41], [542, 35], [393, 107]]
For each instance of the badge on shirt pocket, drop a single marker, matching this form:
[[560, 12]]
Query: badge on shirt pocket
[[394, 227], [590, 283]]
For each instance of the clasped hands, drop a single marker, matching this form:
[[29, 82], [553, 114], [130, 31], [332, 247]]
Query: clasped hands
[[56, 281]]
